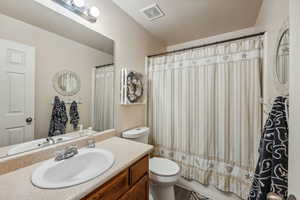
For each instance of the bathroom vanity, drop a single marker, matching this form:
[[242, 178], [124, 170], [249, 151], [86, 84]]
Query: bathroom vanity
[[131, 184], [126, 179]]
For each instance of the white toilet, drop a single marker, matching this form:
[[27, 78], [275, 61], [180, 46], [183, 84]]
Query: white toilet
[[164, 173]]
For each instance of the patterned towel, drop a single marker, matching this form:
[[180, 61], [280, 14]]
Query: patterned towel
[[74, 115], [271, 174], [59, 118]]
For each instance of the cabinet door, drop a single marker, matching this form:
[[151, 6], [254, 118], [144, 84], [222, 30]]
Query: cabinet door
[[138, 170], [111, 190], [139, 191]]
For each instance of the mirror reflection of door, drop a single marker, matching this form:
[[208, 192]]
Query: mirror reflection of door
[[17, 65]]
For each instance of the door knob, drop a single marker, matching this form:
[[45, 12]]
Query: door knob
[[29, 120], [292, 197]]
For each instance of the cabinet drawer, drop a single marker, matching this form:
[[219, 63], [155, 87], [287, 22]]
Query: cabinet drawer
[[139, 169], [111, 190]]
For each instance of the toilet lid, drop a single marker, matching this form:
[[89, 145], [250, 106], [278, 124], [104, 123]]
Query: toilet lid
[[136, 133], [163, 167]]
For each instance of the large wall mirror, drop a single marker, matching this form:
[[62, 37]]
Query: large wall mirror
[[281, 67], [56, 84]]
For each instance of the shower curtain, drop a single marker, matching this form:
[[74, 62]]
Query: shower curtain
[[104, 96], [204, 112]]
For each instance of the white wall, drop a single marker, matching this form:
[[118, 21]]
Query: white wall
[[132, 44], [294, 134], [212, 39], [53, 54], [273, 14]]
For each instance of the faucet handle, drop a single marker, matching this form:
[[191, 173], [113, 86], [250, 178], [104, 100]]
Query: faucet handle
[[73, 148], [59, 155]]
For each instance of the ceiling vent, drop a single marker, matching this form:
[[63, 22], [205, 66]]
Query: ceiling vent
[[152, 12]]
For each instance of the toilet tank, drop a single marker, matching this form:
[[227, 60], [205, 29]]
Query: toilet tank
[[140, 134]]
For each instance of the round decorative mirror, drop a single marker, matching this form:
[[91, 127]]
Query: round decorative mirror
[[66, 83], [282, 62], [282, 58]]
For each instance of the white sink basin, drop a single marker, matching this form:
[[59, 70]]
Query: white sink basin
[[86, 165], [34, 144]]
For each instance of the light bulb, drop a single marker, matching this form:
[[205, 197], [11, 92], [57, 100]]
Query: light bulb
[[69, 2], [94, 11], [78, 3]]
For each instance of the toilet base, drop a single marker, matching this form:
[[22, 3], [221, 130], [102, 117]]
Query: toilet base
[[162, 192]]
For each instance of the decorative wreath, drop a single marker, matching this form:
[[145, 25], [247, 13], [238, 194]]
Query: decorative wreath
[[135, 88]]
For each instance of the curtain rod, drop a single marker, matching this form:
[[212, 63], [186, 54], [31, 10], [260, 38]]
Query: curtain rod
[[106, 65], [209, 44]]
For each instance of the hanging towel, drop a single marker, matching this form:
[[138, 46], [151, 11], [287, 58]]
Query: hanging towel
[[271, 174], [59, 118], [64, 116], [74, 115]]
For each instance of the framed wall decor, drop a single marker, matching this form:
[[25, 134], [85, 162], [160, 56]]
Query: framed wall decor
[[132, 87]]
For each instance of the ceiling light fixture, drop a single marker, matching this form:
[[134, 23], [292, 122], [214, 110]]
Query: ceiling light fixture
[[94, 11], [79, 7], [78, 3]]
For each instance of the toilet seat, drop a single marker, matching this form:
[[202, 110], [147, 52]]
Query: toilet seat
[[163, 167], [163, 171]]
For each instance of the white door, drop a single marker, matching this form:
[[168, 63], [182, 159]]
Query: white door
[[17, 67]]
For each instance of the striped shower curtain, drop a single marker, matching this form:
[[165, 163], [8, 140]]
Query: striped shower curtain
[[204, 112]]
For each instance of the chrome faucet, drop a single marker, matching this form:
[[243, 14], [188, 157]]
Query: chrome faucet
[[47, 142], [50, 140], [67, 153]]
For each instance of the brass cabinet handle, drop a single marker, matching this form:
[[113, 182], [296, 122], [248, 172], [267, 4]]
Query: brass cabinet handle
[[273, 196]]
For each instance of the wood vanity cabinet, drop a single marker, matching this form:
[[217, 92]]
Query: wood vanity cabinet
[[131, 184], [138, 192]]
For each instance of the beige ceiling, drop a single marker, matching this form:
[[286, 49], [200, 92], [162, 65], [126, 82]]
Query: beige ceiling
[[187, 20]]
